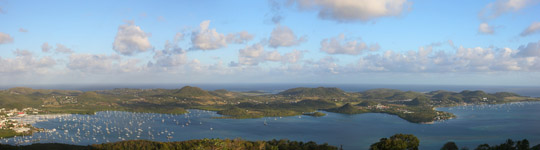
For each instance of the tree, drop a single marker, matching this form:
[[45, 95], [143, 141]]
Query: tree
[[397, 142], [483, 147], [450, 146], [522, 145]]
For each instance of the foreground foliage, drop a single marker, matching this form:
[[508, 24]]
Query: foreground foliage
[[204, 144], [395, 142]]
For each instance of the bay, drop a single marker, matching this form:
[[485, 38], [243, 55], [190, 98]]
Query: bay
[[474, 125]]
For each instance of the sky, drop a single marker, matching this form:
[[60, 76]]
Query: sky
[[454, 42]]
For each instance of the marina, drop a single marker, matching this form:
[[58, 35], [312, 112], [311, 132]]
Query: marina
[[474, 124]]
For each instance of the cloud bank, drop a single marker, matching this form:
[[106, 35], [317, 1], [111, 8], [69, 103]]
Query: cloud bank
[[354, 10]]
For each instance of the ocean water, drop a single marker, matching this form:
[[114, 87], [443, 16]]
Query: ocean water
[[474, 125]]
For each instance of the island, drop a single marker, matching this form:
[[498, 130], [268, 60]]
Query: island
[[415, 107]]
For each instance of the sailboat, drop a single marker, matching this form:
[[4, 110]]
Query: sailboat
[[265, 122]]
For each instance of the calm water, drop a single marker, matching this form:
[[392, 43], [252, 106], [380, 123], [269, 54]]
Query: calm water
[[491, 124]]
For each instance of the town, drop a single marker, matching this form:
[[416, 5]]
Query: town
[[13, 123]]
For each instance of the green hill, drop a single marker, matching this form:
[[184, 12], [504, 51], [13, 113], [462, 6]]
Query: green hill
[[390, 94], [192, 92], [346, 109], [314, 92]]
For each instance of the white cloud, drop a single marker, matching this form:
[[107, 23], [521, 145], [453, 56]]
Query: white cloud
[[239, 38], [532, 29], [178, 37], [23, 30], [530, 50], [484, 28], [26, 62], [60, 49], [255, 54], [499, 7], [5, 38], [327, 64], [92, 63], [339, 45], [2, 11], [102, 64], [275, 11], [283, 36], [170, 57], [45, 47], [131, 39], [207, 39], [251, 55], [293, 56], [477, 59], [210, 39], [354, 10]]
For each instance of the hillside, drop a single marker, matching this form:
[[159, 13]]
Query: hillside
[[412, 106], [389, 94], [192, 92], [314, 92]]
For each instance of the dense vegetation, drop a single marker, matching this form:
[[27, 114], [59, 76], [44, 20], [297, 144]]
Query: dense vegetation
[[204, 144], [411, 142], [395, 142], [314, 92], [315, 114], [509, 145], [412, 106]]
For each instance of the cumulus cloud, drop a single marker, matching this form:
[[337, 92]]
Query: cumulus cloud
[[131, 39], [484, 28], [5, 38], [327, 64], [283, 36], [207, 39], [102, 64], [354, 10], [239, 38], [293, 56], [530, 50], [210, 39], [532, 29], [93, 63], [499, 7], [275, 11], [340, 45], [60, 49], [23, 30], [170, 57], [474, 59], [255, 54], [178, 37], [251, 55], [26, 62], [45, 47]]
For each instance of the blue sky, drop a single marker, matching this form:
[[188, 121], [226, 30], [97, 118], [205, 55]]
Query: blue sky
[[313, 41]]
